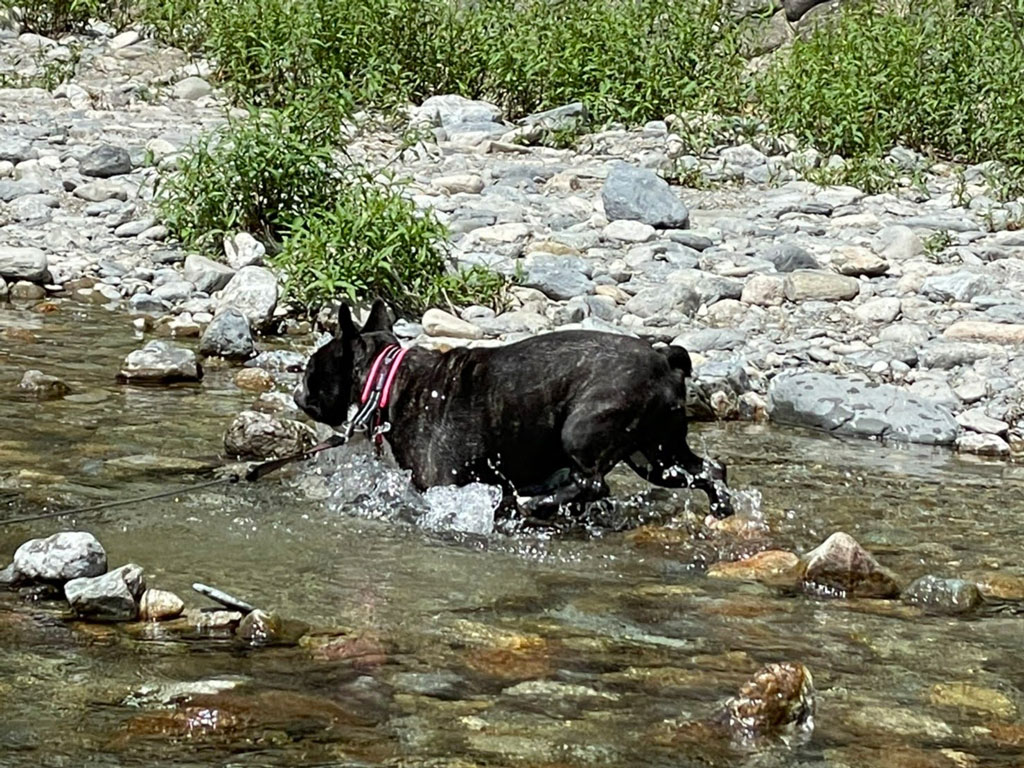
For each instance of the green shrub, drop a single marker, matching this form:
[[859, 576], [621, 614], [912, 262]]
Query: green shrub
[[373, 242], [53, 18], [255, 174], [940, 77], [180, 23]]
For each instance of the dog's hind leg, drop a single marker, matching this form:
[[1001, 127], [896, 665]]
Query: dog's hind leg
[[682, 468]]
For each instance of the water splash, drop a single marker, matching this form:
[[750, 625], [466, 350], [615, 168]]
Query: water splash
[[467, 509]]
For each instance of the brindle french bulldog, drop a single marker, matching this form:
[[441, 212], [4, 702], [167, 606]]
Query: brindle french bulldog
[[545, 418]]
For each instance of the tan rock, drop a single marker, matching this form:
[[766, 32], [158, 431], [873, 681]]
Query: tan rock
[[1001, 586], [159, 604], [769, 566], [854, 261], [819, 285], [840, 567], [764, 291], [254, 380], [977, 698], [980, 330]]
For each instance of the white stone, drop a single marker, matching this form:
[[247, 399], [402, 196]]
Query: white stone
[[976, 420], [437, 322], [243, 250], [628, 231]]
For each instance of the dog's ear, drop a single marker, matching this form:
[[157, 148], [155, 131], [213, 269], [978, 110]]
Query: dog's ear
[[379, 319], [346, 328]]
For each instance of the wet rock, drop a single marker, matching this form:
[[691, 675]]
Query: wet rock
[[43, 386], [260, 628], [437, 322], [779, 700], [211, 620], [25, 291], [243, 250], [206, 274], [849, 407], [442, 684], [255, 435], [641, 195], [840, 567], [23, 264], [59, 558], [160, 362], [105, 161], [253, 291], [946, 596], [772, 566], [110, 597], [975, 698], [159, 604], [254, 380], [278, 360], [364, 651], [228, 336], [1001, 586], [982, 444], [819, 285]]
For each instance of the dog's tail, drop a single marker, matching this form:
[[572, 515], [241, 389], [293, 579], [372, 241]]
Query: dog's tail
[[678, 359]]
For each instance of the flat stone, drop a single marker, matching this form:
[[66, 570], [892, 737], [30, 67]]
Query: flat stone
[[979, 330], [973, 697], [437, 322], [880, 311], [104, 189], [819, 285], [982, 444], [631, 193], [458, 183], [962, 285], [863, 409], [856, 261], [160, 362], [840, 567], [1001, 586], [628, 231], [770, 566], [660, 299], [60, 557], [557, 277], [15, 190], [976, 420], [23, 263]]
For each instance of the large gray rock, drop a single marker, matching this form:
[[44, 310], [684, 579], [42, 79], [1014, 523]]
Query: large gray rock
[[23, 264], [42, 386], [106, 161], [858, 408], [206, 274], [788, 257], [111, 597], [60, 557], [16, 150], [253, 291], [641, 195], [255, 435], [228, 335], [795, 9], [962, 285], [13, 190], [160, 362]]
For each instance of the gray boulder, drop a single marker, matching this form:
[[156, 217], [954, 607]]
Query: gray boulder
[[42, 386], [788, 257], [660, 299], [858, 408], [160, 362], [106, 161], [253, 290], [451, 109], [60, 557], [26, 263], [641, 195], [228, 335], [206, 274], [111, 597], [558, 277]]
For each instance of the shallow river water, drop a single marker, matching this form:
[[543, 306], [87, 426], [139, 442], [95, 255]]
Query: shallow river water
[[586, 646]]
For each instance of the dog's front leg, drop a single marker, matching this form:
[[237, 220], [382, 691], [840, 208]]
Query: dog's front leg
[[579, 487]]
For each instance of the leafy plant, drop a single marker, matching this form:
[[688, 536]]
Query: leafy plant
[[53, 18]]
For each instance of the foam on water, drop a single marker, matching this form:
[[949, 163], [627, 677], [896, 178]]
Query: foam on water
[[467, 509]]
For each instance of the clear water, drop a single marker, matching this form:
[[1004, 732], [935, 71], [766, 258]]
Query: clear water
[[439, 643]]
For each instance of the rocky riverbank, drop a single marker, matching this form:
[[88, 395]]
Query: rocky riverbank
[[896, 315]]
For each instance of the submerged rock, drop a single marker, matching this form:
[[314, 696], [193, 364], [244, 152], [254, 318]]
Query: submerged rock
[[160, 362], [1001, 586], [110, 597], [938, 595], [777, 701], [255, 435], [228, 335], [963, 695], [59, 558], [262, 628], [840, 567], [43, 386], [771, 566]]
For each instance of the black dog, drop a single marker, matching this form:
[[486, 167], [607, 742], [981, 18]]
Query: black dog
[[547, 417]]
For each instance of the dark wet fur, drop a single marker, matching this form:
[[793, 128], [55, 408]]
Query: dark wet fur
[[546, 418]]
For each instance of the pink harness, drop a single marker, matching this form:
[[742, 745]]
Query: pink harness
[[377, 390]]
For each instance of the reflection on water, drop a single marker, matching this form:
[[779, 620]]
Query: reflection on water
[[600, 645]]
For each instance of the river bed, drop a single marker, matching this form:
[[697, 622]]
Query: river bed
[[586, 646]]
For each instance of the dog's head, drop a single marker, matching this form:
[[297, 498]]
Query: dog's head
[[335, 372]]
